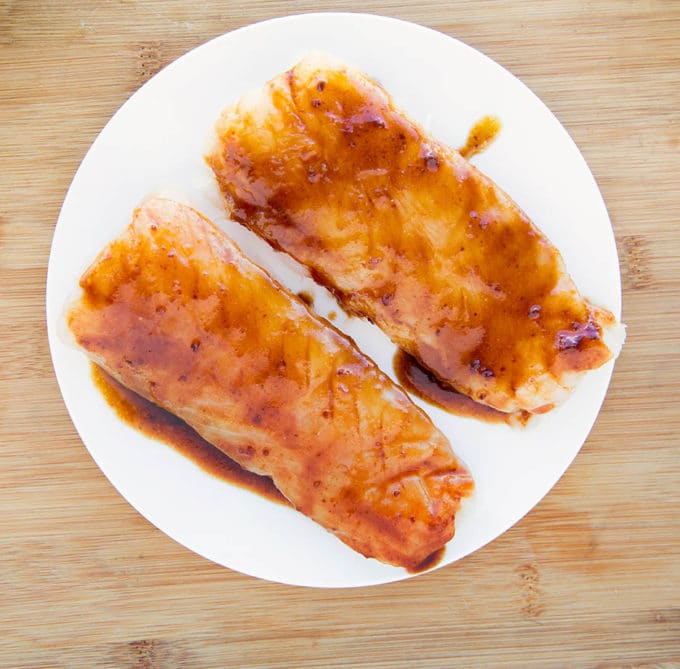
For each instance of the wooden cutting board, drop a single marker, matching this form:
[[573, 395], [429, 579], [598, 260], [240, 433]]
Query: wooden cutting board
[[590, 578]]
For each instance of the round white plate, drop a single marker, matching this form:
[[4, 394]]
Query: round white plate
[[155, 144]]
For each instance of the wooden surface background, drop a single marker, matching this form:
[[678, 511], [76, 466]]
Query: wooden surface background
[[590, 578]]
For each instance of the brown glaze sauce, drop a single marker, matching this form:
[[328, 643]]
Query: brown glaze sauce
[[160, 424], [306, 297], [420, 382], [480, 137]]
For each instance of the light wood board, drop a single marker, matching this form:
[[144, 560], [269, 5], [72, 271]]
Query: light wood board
[[590, 578]]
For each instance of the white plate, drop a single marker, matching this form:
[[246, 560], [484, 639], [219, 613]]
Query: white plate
[[155, 144]]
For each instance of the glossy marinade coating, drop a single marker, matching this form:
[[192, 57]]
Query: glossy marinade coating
[[175, 312], [408, 233]]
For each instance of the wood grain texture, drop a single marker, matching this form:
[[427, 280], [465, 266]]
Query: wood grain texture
[[590, 578]]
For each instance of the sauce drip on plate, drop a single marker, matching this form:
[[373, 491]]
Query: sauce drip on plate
[[480, 137], [157, 423], [306, 297], [418, 381]]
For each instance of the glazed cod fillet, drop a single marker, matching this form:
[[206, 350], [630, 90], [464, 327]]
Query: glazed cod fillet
[[175, 312], [408, 233]]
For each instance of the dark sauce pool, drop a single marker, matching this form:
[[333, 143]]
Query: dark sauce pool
[[159, 424], [306, 297], [429, 562], [420, 382]]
